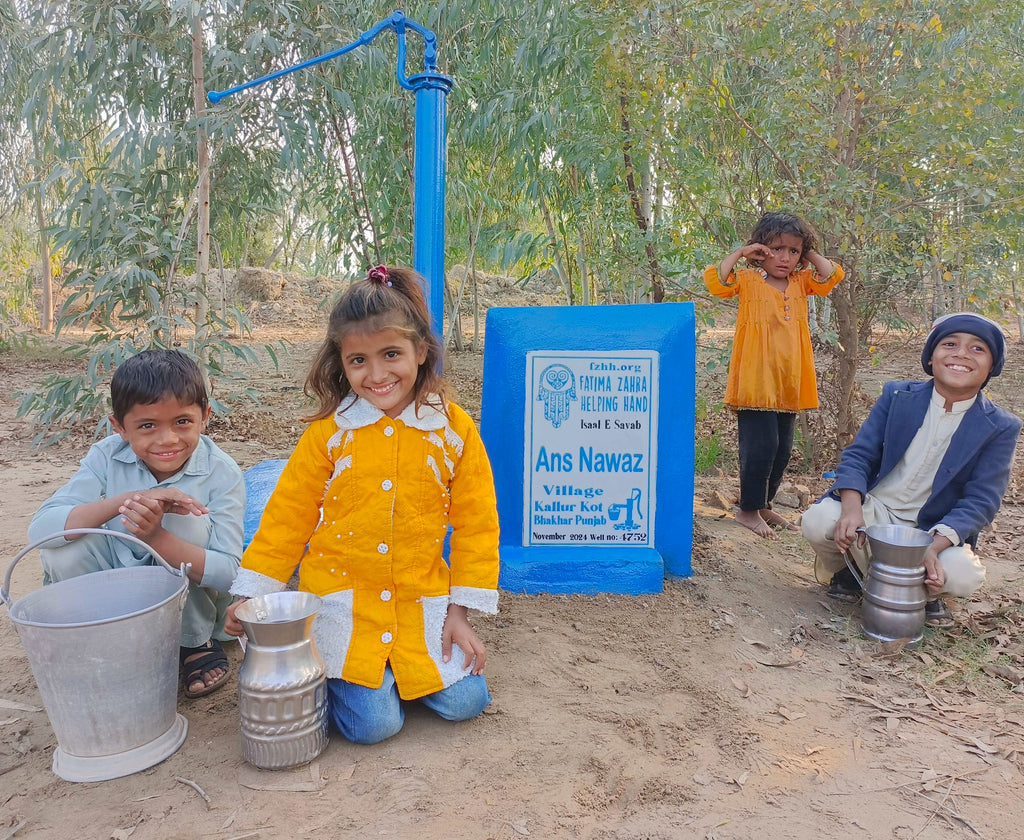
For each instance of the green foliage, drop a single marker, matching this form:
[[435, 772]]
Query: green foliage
[[620, 146], [16, 304], [709, 453], [709, 450]]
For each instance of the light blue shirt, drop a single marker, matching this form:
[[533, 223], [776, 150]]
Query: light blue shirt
[[210, 476]]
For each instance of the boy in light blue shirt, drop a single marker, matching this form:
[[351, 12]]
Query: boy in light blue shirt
[[160, 479]]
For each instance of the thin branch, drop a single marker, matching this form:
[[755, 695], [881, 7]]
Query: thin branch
[[196, 788]]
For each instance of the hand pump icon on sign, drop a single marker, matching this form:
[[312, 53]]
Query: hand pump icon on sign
[[631, 504]]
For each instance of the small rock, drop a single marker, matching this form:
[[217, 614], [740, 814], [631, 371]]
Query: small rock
[[717, 500], [790, 500]]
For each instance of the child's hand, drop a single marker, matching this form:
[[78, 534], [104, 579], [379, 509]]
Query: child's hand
[[457, 629], [174, 501], [141, 515], [934, 574], [232, 626], [846, 533], [756, 251]]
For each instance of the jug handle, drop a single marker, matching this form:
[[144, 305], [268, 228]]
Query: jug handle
[[5, 590], [853, 566], [853, 569]]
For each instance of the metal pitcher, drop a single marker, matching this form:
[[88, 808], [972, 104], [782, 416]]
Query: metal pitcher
[[894, 590], [282, 688]]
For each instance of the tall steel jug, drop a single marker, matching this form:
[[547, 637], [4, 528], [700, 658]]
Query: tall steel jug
[[894, 590], [282, 690]]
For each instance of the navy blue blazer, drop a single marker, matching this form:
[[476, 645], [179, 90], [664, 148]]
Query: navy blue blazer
[[972, 477]]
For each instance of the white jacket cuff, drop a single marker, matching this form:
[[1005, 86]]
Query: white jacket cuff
[[252, 584], [484, 600]]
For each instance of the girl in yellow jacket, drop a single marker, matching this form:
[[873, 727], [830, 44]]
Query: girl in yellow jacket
[[771, 372], [365, 502]]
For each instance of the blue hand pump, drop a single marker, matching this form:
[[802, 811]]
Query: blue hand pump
[[429, 149]]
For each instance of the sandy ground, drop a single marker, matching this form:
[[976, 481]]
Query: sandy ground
[[738, 703]]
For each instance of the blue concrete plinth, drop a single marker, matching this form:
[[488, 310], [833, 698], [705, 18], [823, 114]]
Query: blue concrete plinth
[[666, 329], [575, 571]]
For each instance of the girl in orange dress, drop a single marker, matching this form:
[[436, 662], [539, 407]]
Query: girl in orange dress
[[771, 372]]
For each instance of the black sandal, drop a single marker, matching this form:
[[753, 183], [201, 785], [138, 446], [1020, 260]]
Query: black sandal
[[208, 658]]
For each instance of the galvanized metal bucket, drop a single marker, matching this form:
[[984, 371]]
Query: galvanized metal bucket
[[103, 648]]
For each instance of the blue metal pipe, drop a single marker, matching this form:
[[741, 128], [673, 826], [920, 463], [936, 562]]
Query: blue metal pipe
[[429, 175], [429, 150]]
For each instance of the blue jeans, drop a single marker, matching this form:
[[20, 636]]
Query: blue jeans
[[370, 715]]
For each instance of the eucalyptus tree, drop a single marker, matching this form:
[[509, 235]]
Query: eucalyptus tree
[[891, 125], [21, 184], [112, 83]]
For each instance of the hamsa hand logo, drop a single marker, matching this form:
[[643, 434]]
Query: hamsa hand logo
[[557, 390]]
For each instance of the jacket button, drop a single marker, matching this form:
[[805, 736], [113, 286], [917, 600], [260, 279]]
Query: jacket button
[[386, 484], [389, 431], [386, 638], [385, 595], [382, 548]]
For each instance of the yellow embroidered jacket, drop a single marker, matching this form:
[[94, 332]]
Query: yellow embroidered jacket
[[373, 498]]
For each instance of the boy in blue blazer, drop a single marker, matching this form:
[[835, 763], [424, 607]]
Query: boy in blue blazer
[[935, 455]]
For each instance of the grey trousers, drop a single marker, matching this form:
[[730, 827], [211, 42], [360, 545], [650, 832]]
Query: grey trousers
[[964, 572]]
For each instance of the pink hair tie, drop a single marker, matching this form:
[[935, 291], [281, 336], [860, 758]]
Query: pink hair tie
[[379, 275]]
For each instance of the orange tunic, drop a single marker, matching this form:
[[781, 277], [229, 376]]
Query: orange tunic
[[772, 364]]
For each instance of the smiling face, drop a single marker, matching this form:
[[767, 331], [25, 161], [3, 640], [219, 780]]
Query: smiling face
[[382, 367], [960, 363], [163, 434], [785, 255]]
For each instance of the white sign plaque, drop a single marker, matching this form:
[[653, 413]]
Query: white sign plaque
[[591, 448]]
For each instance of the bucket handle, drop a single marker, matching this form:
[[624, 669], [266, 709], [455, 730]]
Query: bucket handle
[[5, 590]]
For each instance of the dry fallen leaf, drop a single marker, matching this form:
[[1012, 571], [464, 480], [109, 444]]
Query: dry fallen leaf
[[1004, 672], [741, 686], [18, 707], [757, 643], [785, 664]]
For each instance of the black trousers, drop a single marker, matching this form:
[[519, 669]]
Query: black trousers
[[766, 441]]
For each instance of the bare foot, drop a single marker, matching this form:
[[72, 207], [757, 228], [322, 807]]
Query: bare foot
[[772, 518], [752, 519]]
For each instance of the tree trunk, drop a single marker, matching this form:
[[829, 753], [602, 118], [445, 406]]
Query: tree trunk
[[637, 203], [203, 162], [845, 298], [581, 264], [1016, 305], [559, 267], [46, 304]]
